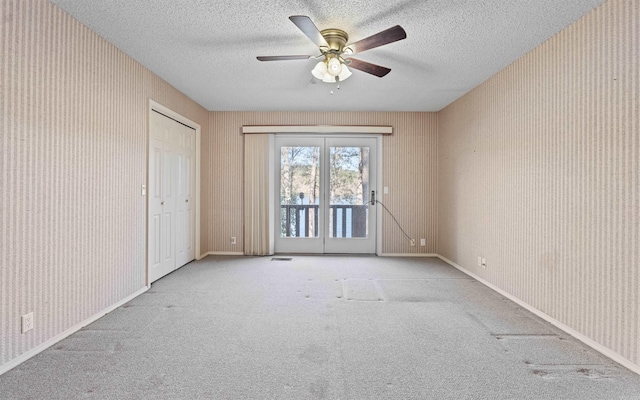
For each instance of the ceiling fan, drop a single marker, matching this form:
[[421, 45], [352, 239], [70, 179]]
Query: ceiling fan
[[333, 48]]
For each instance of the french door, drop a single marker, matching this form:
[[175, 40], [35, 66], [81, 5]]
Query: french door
[[324, 189]]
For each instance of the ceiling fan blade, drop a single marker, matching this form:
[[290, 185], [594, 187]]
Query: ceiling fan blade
[[367, 67], [282, 58], [307, 27], [379, 39]]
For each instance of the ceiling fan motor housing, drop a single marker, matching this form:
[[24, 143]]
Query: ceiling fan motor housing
[[336, 38]]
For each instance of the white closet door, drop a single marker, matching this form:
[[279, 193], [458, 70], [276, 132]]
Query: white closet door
[[171, 179], [160, 254], [185, 246]]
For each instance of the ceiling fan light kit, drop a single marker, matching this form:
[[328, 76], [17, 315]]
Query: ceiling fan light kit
[[332, 44], [331, 70]]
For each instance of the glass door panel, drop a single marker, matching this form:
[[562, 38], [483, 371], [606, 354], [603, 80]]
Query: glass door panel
[[351, 178], [349, 192], [299, 191], [299, 206]]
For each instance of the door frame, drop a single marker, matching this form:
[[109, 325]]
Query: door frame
[[378, 138], [153, 105]]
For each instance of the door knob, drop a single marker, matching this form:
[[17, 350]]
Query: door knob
[[186, 201], [162, 203]]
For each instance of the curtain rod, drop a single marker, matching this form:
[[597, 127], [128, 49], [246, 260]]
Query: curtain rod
[[380, 129]]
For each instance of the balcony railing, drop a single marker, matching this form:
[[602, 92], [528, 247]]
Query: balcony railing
[[346, 221]]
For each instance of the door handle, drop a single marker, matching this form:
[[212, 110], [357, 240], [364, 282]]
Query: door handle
[[373, 197], [186, 200], [162, 203]]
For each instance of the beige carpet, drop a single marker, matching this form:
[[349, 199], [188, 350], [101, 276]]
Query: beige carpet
[[319, 328]]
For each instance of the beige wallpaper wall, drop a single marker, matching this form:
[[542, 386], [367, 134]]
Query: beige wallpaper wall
[[539, 173], [409, 163], [73, 151]]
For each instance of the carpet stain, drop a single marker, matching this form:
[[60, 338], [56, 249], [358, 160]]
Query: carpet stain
[[315, 354], [539, 373], [319, 389], [361, 290], [92, 389], [568, 371], [506, 336]]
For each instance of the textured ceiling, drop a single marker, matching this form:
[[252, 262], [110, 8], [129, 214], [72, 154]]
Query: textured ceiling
[[207, 49]]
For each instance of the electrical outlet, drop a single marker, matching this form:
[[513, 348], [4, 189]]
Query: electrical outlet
[[233, 240], [27, 322], [423, 242], [413, 242]]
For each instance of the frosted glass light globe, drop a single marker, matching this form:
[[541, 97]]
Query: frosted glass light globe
[[334, 67]]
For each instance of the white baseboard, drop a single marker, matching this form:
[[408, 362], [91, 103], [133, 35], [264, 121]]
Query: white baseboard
[[224, 253], [589, 342], [43, 346], [408, 255], [239, 253]]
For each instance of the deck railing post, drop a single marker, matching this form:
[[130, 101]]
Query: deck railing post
[[287, 221]]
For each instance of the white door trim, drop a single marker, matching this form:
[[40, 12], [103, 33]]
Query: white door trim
[[153, 105], [379, 194]]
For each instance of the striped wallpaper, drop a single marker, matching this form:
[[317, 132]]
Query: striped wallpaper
[[73, 157], [536, 170], [539, 173], [409, 170]]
